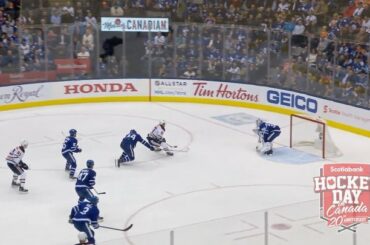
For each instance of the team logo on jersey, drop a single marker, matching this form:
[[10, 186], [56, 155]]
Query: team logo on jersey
[[344, 194]]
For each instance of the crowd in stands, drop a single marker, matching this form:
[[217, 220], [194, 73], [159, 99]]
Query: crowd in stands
[[320, 45]]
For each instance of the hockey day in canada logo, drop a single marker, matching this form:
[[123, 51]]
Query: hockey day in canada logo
[[344, 194]]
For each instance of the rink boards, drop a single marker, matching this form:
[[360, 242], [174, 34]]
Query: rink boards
[[345, 117]]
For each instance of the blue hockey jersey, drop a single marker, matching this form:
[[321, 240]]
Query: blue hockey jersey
[[268, 131], [85, 212], [267, 128], [86, 178], [131, 139], [70, 145]]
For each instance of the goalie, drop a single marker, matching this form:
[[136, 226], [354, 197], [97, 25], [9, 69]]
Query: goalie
[[266, 132], [156, 139]]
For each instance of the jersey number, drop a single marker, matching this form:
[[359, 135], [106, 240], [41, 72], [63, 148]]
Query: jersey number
[[86, 209], [82, 176]]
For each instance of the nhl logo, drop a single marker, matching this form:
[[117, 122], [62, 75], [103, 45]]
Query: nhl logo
[[344, 194]]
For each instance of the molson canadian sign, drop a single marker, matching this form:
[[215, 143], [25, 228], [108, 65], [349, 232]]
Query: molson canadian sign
[[344, 194], [130, 24]]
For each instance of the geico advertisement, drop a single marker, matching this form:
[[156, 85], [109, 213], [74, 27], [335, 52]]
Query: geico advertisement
[[205, 89], [24, 93], [291, 100], [96, 88]]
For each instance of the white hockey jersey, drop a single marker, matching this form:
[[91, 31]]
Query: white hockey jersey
[[15, 156], [157, 132]]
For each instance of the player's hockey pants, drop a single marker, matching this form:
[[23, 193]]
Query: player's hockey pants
[[84, 193], [18, 171], [154, 142], [128, 153], [271, 137], [85, 227], [71, 161]]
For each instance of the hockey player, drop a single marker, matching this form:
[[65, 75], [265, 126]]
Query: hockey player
[[156, 139], [266, 132], [69, 147], [128, 145], [85, 182], [15, 163], [85, 214]]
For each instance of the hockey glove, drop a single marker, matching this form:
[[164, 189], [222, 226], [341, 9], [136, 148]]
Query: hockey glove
[[78, 150], [95, 226], [70, 221], [24, 166]]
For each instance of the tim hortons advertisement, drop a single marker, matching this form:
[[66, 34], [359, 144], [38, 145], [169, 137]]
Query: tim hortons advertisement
[[344, 194], [205, 89], [94, 88], [23, 93]]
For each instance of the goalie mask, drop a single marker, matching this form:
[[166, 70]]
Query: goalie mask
[[259, 122]]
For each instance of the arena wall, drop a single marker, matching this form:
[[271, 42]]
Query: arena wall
[[338, 115]]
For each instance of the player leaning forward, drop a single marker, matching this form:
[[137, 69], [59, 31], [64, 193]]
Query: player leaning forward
[[15, 163], [156, 139], [266, 132]]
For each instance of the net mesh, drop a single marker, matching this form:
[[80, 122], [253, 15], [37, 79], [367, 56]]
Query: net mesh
[[312, 135]]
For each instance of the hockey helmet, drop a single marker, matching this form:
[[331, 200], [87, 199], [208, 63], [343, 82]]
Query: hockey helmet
[[162, 123], [94, 200], [90, 163], [24, 144], [133, 131], [72, 132]]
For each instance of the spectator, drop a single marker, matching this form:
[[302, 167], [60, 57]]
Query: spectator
[[116, 10], [189, 73], [83, 54], [88, 39]]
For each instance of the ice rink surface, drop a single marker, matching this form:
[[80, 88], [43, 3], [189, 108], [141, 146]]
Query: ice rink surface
[[215, 193]]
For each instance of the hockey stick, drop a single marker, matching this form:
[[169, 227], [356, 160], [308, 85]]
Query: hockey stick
[[116, 229], [99, 193], [185, 149]]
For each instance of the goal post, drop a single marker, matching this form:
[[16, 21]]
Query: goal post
[[312, 135]]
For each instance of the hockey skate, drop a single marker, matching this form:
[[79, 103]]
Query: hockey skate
[[66, 167], [72, 177], [268, 153], [22, 189], [15, 183]]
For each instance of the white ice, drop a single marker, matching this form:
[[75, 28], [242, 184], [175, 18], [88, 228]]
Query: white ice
[[216, 193]]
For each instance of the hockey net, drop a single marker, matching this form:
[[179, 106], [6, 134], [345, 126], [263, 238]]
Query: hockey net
[[312, 135]]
